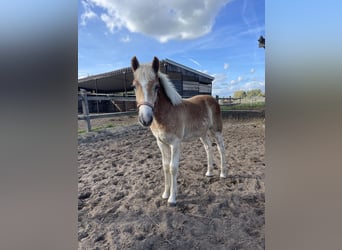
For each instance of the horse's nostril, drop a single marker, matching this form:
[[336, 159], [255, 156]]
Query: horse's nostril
[[148, 123], [142, 122], [145, 123]]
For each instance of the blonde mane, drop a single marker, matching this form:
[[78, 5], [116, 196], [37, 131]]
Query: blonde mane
[[170, 89]]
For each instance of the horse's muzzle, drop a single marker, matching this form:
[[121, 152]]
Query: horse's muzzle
[[145, 116]]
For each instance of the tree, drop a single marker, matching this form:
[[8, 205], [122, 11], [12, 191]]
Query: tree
[[254, 93], [239, 94]]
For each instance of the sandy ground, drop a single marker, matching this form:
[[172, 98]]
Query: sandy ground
[[120, 183]]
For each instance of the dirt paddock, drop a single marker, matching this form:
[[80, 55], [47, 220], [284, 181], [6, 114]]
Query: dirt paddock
[[120, 183]]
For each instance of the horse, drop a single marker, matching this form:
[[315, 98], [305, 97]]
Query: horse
[[173, 120]]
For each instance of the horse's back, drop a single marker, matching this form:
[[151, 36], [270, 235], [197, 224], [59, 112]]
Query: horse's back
[[198, 99]]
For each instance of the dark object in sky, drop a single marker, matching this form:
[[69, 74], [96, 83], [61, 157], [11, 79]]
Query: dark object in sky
[[261, 42]]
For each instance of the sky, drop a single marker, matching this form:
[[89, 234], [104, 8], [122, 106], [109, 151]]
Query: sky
[[216, 37]]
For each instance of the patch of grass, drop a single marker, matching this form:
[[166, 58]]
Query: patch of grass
[[244, 106], [102, 127], [81, 131]]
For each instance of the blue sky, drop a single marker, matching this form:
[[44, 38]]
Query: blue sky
[[217, 37]]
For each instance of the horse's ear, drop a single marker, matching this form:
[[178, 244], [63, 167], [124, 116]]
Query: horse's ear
[[134, 63], [155, 64]]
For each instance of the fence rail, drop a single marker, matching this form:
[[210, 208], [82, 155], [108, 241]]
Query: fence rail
[[229, 101], [109, 98], [84, 97]]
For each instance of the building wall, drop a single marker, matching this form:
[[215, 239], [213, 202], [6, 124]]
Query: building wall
[[188, 83]]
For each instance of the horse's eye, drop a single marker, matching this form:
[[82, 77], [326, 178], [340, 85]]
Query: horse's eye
[[156, 88]]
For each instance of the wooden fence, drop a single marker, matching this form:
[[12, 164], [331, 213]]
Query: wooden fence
[[84, 98], [229, 101]]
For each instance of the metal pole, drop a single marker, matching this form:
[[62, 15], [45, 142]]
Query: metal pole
[[85, 108], [97, 101], [125, 91]]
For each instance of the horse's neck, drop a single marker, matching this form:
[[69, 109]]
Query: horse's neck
[[163, 104], [163, 100]]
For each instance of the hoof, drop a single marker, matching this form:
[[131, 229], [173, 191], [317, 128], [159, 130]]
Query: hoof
[[224, 176], [172, 201], [209, 174], [172, 204], [165, 195]]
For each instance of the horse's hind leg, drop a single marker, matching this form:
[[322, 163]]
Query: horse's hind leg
[[207, 145], [166, 158], [221, 149]]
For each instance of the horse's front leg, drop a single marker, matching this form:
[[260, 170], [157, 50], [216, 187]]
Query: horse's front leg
[[175, 155], [166, 157]]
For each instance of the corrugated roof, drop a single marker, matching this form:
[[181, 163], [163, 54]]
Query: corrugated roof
[[189, 69]]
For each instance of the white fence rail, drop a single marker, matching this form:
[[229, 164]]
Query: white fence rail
[[86, 116]]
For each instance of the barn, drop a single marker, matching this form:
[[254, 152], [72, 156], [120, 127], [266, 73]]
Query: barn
[[188, 82]]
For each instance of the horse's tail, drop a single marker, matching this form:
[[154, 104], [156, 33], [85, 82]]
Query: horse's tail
[[215, 110]]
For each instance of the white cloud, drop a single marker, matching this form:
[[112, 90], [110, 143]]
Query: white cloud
[[250, 16], [82, 74], [225, 66], [254, 85], [252, 70], [219, 79], [125, 39], [236, 81], [195, 62], [219, 84], [225, 87], [110, 23], [87, 14], [254, 31], [164, 19]]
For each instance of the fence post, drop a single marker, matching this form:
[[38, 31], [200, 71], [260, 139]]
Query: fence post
[[85, 108]]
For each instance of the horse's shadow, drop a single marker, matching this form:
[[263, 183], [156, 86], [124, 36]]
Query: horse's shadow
[[186, 200]]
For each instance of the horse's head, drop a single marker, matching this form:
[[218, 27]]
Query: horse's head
[[146, 84]]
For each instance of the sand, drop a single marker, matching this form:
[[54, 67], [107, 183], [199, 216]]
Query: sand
[[120, 183]]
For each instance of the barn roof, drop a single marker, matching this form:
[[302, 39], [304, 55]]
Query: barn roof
[[121, 79], [188, 69]]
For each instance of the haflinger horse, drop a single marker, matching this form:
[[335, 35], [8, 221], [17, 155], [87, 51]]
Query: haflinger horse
[[173, 120]]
